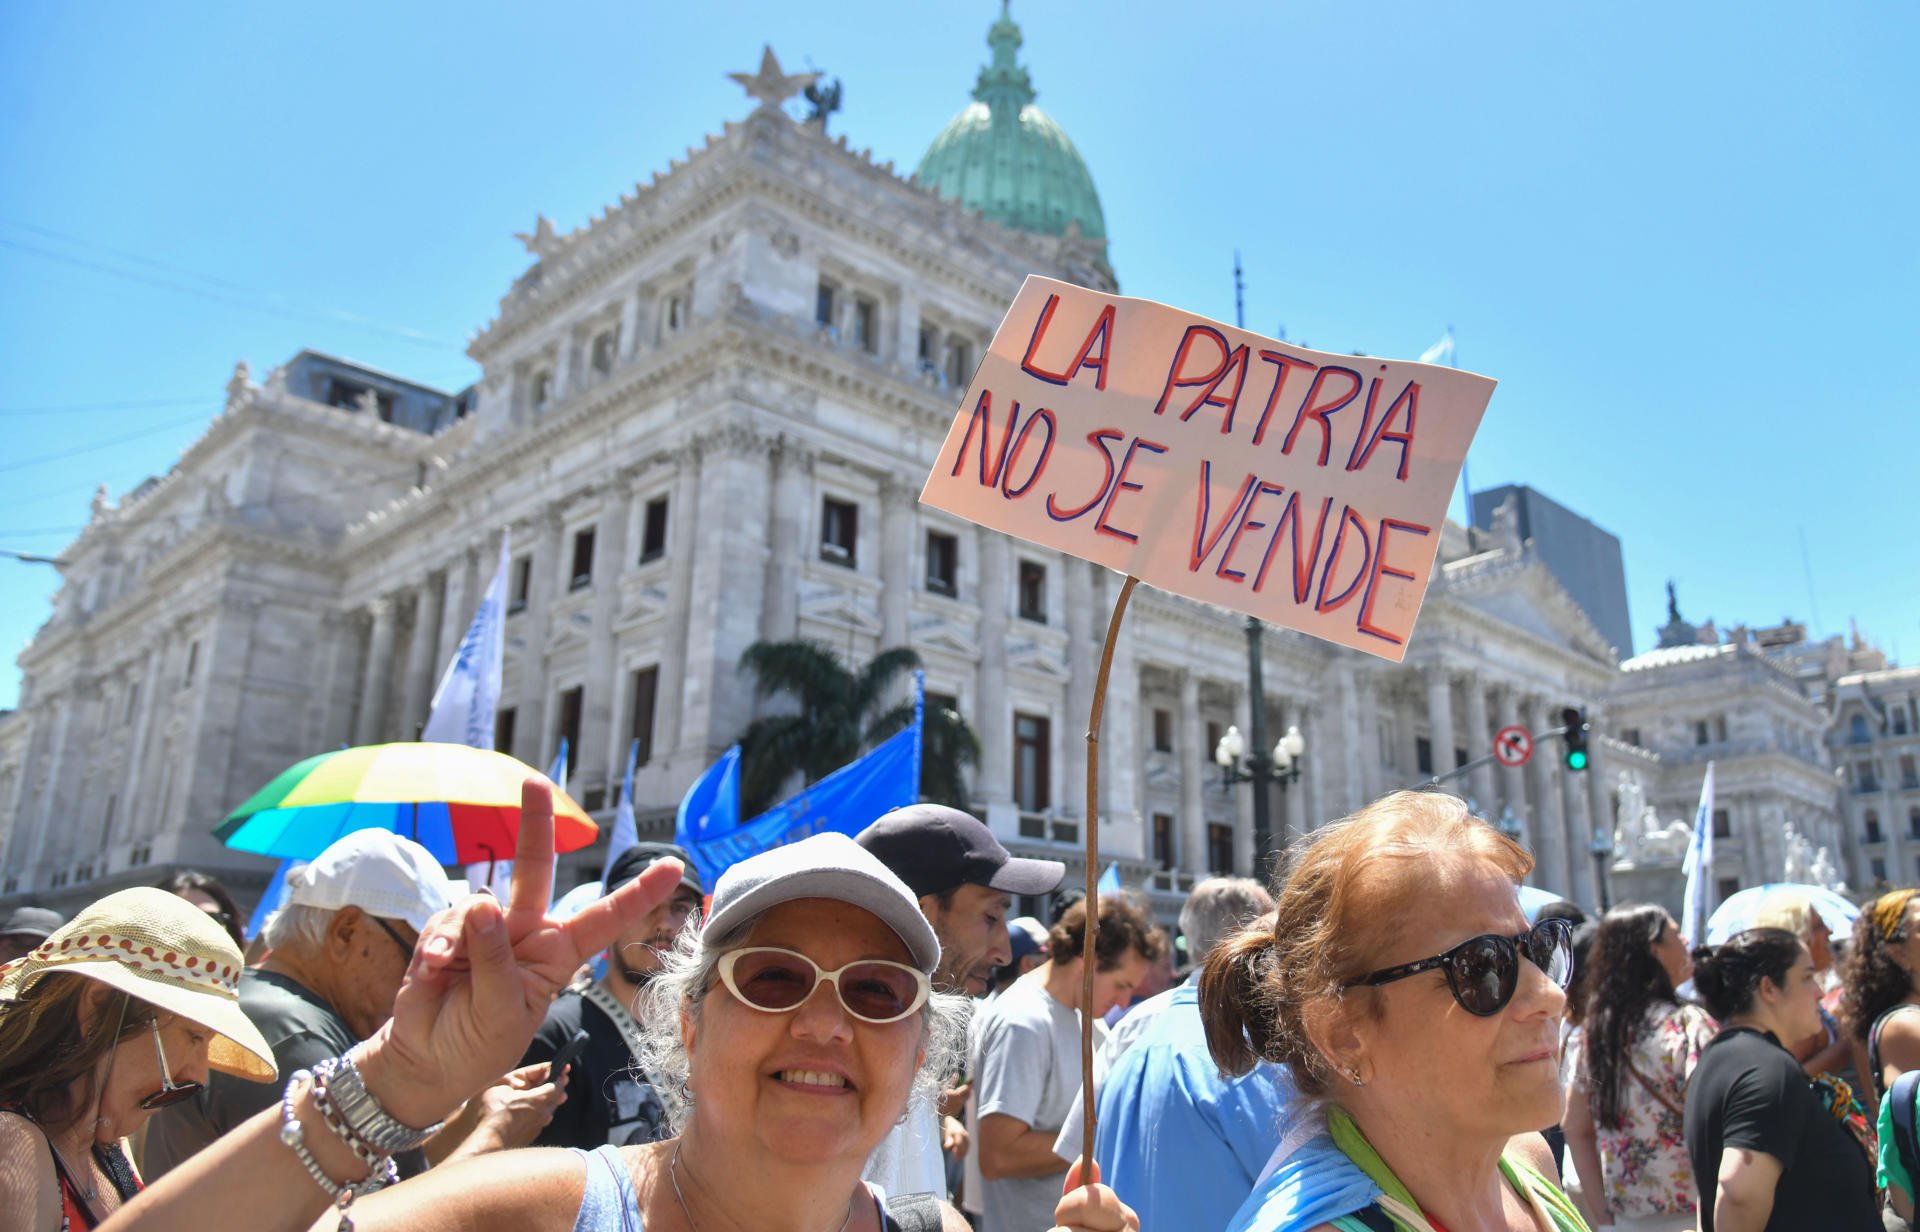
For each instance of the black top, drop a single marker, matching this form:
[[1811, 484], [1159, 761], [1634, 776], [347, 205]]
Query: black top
[[607, 1103], [1749, 1092]]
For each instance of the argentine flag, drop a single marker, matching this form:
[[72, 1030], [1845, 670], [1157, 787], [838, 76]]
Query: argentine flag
[[469, 690]]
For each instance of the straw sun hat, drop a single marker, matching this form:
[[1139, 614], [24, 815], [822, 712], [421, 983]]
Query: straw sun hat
[[167, 952]]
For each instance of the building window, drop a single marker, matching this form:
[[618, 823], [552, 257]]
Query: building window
[[503, 728], [1032, 755], [1900, 721], [1215, 730], [193, 665], [1163, 841], [866, 323], [1220, 849], [1722, 823], [1726, 888], [839, 531], [1909, 780], [1162, 730], [1423, 755], [943, 563], [653, 530], [1632, 736], [1865, 780], [823, 304], [1033, 591], [572, 701], [938, 737], [519, 584], [673, 313], [605, 344], [1857, 730], [929, 351], [581, 575], [642, 687], [959, 362], [1870, 823], [542, 389], [1879, 866], [1913, 823]]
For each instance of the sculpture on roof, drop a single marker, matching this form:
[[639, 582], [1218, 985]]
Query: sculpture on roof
[[1505, 524], [542, 241], [771, 86], [823, 99]]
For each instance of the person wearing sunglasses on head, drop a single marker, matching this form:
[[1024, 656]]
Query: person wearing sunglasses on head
[[1419, 1016], [798, 1021], [117, 1014]]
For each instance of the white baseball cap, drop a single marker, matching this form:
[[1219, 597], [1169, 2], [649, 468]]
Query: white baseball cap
[[823, 866], [377, 871]]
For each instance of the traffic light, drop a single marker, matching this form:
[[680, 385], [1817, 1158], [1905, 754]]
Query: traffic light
[[1574, 720]]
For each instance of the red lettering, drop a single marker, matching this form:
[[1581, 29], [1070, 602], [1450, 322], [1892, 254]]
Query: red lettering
[[1101, 333], [1347, 518], [1311, 407], [1099, 441], [1382, 569], [1409, 398], [1204, 541], [1283, 367]]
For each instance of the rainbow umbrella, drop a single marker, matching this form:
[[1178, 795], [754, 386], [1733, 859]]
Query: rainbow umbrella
[[462, 804]]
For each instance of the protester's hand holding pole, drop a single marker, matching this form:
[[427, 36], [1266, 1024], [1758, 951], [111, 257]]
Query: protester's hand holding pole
[[479, 984], [1091, 1208]]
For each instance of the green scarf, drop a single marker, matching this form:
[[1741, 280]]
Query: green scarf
[[1525, 1181]]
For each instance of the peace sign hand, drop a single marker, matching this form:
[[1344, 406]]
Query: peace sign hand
[[482, 976]]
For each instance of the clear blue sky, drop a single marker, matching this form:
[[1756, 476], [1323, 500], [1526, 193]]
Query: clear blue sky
[[1681, 235]]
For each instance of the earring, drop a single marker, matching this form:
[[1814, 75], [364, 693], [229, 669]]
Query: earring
[[1353, 1076]]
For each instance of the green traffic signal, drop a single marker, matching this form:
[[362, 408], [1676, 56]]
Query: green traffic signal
[[1574, 721]]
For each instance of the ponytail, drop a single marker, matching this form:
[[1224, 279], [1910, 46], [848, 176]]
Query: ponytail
[[1235, 1003], [1728, 976]]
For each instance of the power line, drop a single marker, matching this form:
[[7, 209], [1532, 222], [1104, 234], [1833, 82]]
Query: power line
[[237, 299], [23, 463], [82, 408]]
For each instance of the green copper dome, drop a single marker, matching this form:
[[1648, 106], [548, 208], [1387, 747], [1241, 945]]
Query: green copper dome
[[1005, 157]]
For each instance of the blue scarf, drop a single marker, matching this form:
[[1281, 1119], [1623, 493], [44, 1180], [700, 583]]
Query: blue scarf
[[1317, 1184]]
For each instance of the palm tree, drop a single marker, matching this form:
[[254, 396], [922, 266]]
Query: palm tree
[[839, 718]]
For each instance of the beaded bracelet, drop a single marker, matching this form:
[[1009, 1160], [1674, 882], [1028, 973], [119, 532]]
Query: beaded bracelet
[[294, 1135]]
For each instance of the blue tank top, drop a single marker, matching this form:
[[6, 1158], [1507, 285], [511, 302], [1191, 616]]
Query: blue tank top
[[608, 1203]]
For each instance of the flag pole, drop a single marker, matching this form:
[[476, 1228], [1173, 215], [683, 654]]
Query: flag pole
[[1087, 950]]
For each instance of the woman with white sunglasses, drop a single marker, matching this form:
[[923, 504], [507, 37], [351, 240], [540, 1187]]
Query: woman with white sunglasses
[[1402, 987], [797, 1021]]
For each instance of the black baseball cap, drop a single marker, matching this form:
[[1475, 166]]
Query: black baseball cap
[[640, 857], [934, 849]]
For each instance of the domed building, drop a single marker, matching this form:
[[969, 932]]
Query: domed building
[[1005, 157], [702, 421]]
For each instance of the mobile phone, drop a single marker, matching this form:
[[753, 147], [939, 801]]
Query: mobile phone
[[568, 1051]]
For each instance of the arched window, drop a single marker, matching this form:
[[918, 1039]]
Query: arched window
[[604, 344], [542, 389]]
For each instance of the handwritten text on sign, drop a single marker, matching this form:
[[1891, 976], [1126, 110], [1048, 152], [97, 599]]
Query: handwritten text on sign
[[1301, 487]]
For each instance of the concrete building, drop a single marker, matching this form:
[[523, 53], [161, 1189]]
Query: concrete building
[[1585, 558], [703, 418]]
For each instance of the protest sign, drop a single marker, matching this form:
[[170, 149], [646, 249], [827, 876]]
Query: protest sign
[[1301, 487]]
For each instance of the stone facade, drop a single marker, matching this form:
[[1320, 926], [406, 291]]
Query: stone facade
[[703, 418], [1875, 738]]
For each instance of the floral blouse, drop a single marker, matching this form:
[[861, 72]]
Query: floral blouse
[[1645, 1159]]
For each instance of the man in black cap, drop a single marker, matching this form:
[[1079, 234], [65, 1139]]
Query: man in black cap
[[26, 928], [609, 1099], [965, 881]]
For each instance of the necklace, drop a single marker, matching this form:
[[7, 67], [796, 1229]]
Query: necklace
[[673, 1175]]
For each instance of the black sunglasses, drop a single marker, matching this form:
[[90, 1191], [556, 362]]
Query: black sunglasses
[[1484, 971], [170, 1092], [406, 947]]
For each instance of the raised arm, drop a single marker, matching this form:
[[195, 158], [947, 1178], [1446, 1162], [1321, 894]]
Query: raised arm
[[479, 984]]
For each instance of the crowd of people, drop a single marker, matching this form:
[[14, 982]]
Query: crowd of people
[[1383, 1039]]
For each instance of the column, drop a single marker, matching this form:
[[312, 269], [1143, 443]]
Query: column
[[374, 679], [562, 369], [53, 758], [629, 329], [1406, 732], [1479, 744], [1354, 783], [1549, 821], [530, 723], [420, 676], [1599, 797], [994, 719], [1194, 759], [603, 684], [1372, 773], [792, 474], [1292, 824], [142, 730], [1440, 722], [456, 606], [324, 721], [1083, 664], [669, 727], [896, 559]]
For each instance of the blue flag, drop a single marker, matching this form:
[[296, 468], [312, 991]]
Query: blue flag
[[625, 831], [271, 899], [1109, 882], [469, 690], [712, 805]]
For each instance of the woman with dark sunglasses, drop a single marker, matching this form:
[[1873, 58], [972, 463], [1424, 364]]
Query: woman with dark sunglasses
[[798, 1021], [119, 1013], [1625, 1120], [1767, 1152], [1401, 986]]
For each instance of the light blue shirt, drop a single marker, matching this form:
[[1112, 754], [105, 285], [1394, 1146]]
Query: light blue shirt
[[1181, 1144]]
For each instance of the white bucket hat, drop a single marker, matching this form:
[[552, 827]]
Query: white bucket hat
[[165, 951]]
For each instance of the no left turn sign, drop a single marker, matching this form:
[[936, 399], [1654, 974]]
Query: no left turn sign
[[1512, 746]]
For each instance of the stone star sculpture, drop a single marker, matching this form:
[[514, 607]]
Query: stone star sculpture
[[770, 85], [542, 240]]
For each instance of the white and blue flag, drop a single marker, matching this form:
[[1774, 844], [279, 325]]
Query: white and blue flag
[[469, 691], [625, 831], [1698, 904]]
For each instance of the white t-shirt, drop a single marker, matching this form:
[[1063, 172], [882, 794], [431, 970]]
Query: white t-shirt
[[1026, 1065]]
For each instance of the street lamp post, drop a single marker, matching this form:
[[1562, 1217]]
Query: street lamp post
[[1241, 761], [1601, 848]]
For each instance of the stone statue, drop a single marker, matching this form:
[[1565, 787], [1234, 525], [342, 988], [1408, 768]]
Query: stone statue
[[1673, 603], [240, 384], [823, 99], [1505, 525], [1824, 872], [1797, 860], [542, 241], [771, 87]]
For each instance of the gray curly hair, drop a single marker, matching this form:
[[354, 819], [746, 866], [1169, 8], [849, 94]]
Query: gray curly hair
[[686, 974]]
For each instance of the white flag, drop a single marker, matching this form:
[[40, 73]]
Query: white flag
[[1440, 352], [469, 691], [1699, 868]]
